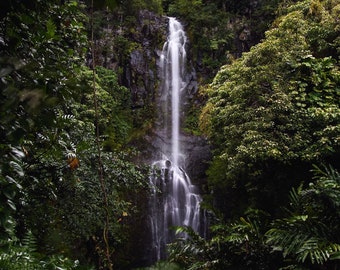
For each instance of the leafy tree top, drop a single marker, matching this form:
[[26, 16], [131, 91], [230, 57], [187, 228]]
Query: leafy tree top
[[281, 100], [276, 110]]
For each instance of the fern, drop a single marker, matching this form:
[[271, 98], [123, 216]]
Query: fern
[[29, 243], [24, 256]]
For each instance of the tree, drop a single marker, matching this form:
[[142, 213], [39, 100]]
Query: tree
[[275, 111], [42, 46]]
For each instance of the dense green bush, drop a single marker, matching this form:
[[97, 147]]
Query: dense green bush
[[275, 111], [60, 155]]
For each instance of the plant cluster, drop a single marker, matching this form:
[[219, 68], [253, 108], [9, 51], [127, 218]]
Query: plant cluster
[[305, 237], [60, 155], [275, 111]]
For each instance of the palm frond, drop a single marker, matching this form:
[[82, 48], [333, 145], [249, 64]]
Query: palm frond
[[317, 251], [309, 232]]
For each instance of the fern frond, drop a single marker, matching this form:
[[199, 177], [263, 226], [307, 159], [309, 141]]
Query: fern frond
[[29, 243]]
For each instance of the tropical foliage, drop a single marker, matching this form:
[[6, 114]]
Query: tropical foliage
[[307, 237], [59, 155], [310, 232], [71, 196], [270, 116], [275, 111], [25, 256], [34, 83]]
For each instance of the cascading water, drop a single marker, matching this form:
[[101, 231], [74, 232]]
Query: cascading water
[[175, 201]]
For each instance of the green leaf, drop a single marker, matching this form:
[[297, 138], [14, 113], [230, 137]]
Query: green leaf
[[11, 204], [51, 28], [17, 168], [12, 181], [111, 4], [335, 256], [9, 194]]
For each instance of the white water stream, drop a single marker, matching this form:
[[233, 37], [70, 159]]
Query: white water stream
[[175, 200]]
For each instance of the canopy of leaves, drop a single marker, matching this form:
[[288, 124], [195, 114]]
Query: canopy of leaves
[[276, 109], [49, 147], [41, 47]]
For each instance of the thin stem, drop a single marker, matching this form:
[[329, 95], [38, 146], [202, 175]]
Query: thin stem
[[100, 163]]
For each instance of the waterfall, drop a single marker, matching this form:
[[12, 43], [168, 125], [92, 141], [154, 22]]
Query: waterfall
[[175, 200]]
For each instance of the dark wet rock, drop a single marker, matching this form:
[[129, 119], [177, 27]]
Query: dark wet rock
[[198, 155]]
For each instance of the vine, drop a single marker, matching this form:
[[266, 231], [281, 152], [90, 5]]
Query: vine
[[107, 251]]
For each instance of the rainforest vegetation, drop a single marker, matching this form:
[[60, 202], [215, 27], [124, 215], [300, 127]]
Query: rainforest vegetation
[[72, 184]]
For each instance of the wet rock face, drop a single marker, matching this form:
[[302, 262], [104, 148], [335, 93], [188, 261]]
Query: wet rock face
[[132, 49], [195, 148], [198, 155], [141, 71]]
